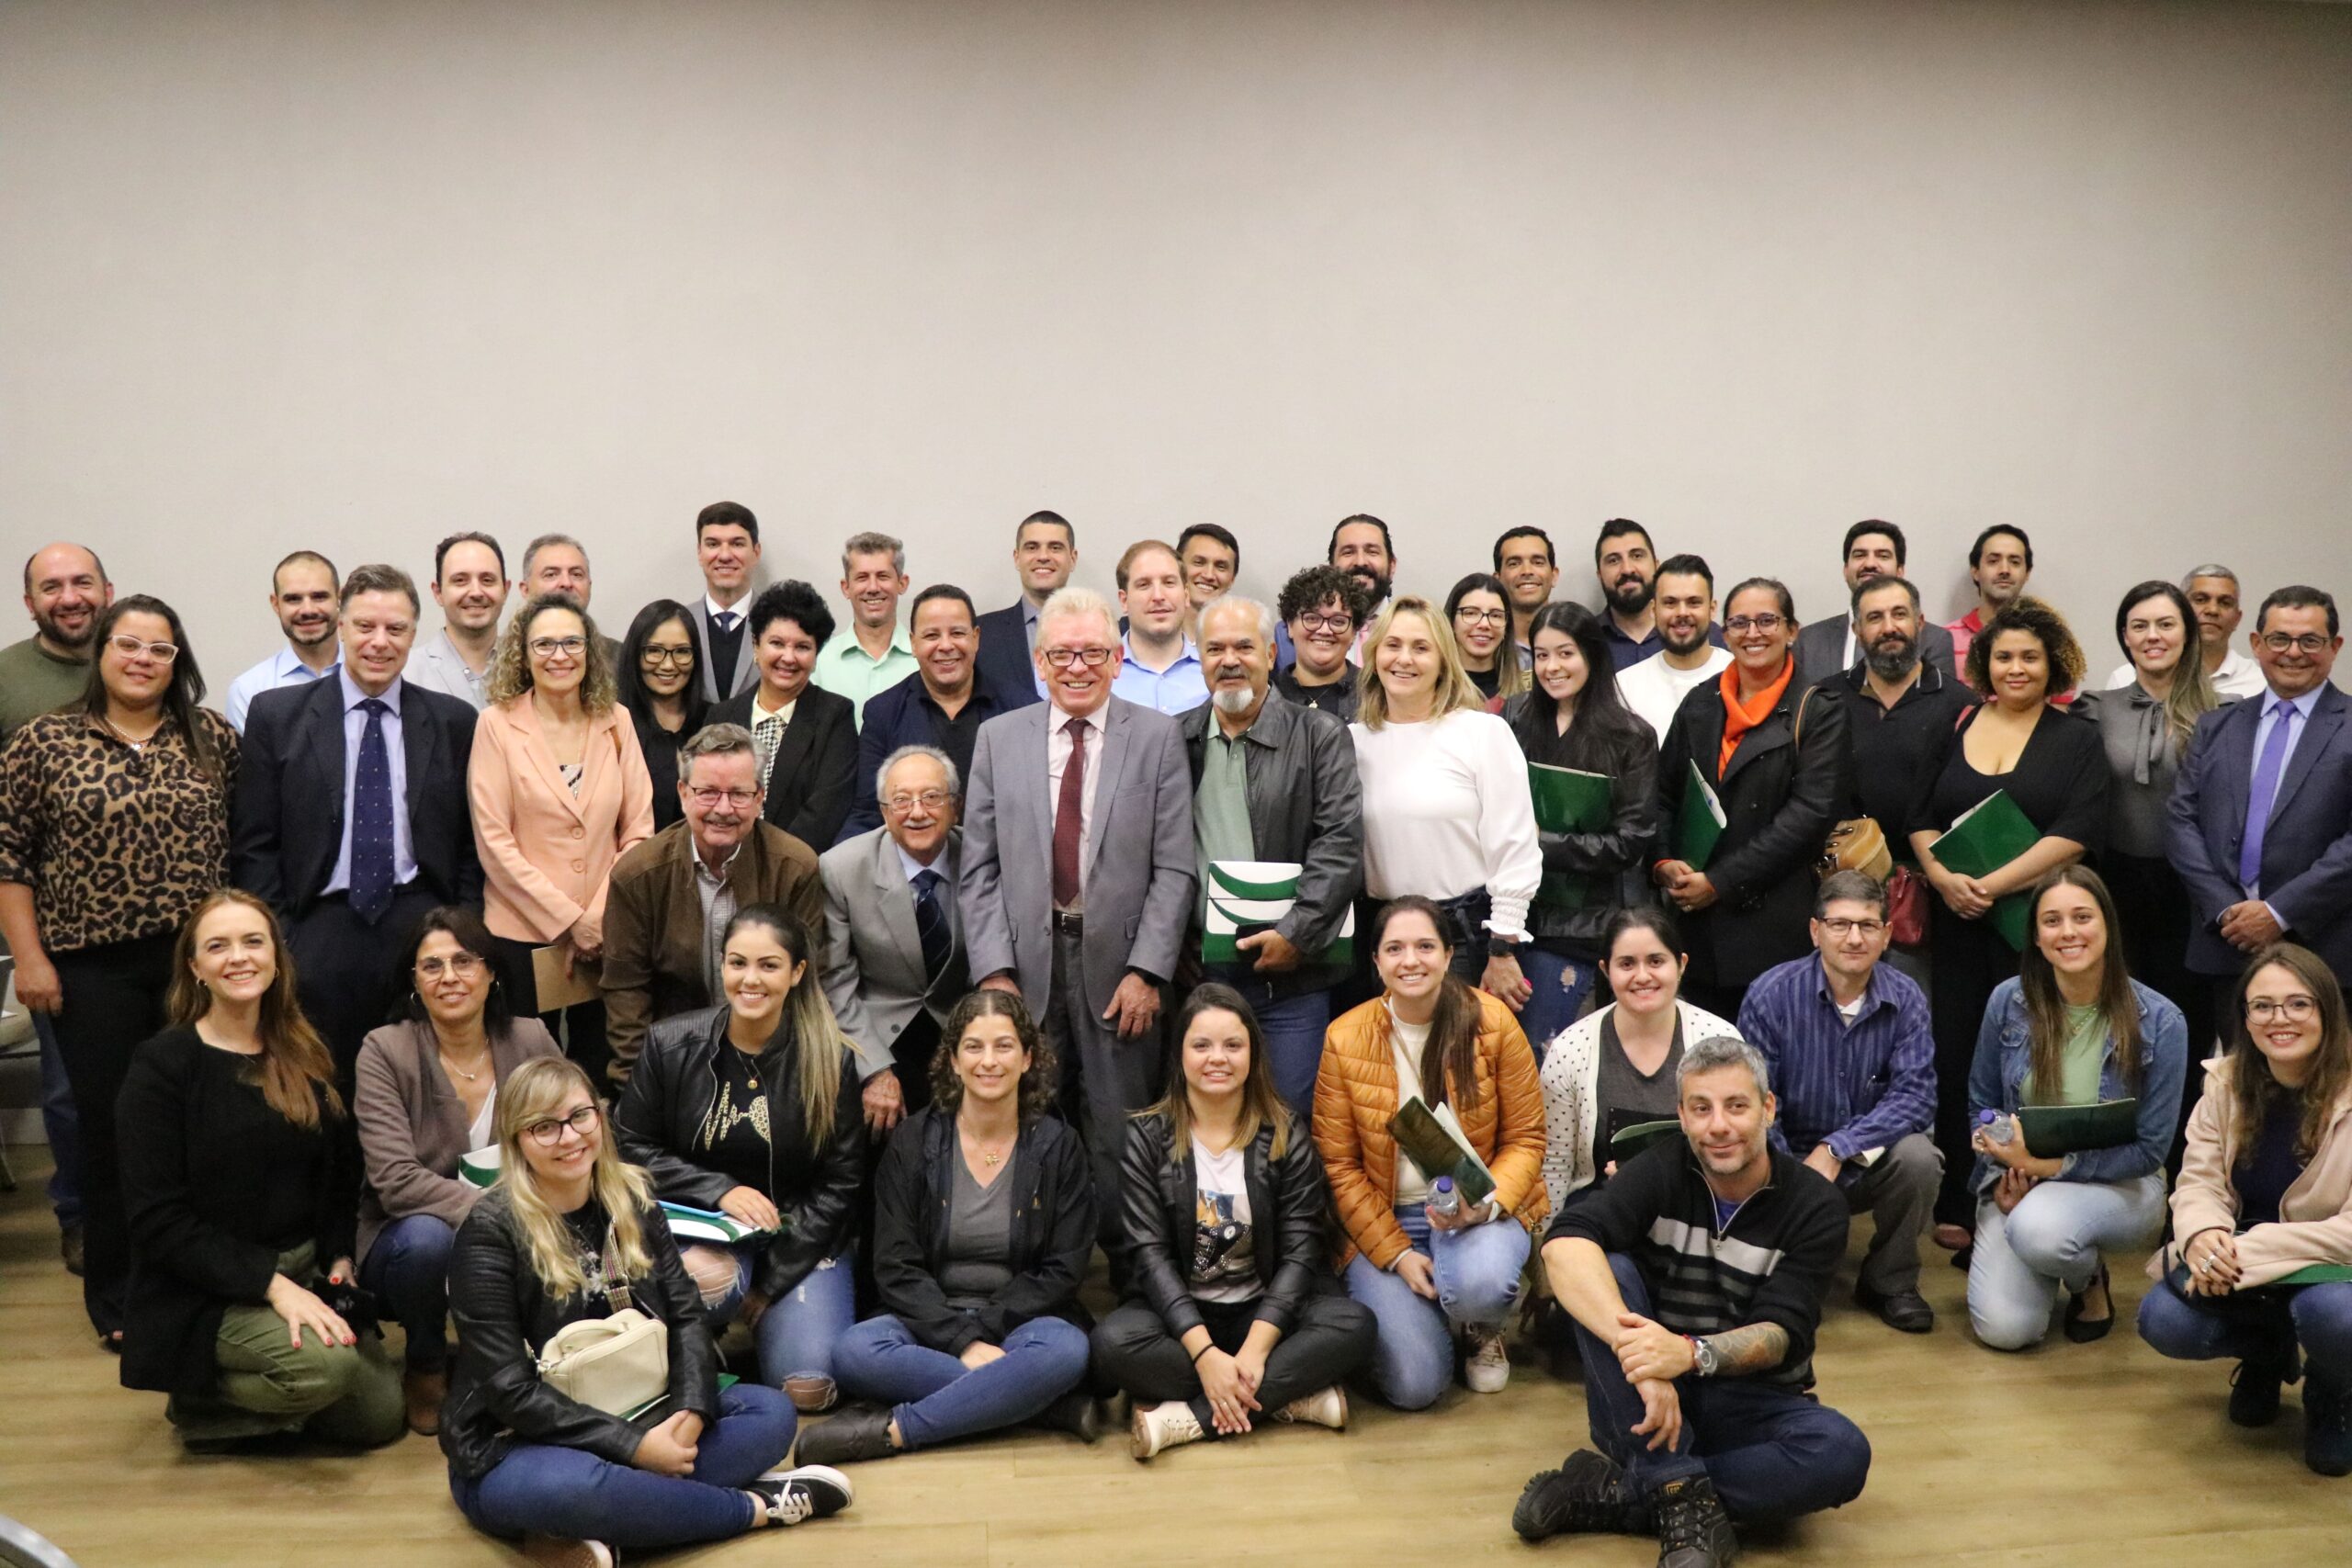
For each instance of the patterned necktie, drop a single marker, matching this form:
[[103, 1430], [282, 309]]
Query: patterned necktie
[[371, 819], [2264, 792], [931, 924], [1068, 829]]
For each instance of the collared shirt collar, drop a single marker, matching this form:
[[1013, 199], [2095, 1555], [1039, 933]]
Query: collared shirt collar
[[288, 661], [1059, 719], [714, 608], [353, 696], [1258, 722], [2302, 705], [1874, 988], [1128, 648], [761, 713], [913, 867], [702, 867]]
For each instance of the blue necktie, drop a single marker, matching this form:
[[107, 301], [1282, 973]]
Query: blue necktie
[[2263, 791], [371, 819], [931, 924]]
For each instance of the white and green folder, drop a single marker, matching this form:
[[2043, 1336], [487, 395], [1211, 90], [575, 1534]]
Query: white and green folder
[[1246, 895]]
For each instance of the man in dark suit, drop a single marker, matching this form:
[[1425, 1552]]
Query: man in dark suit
[[943, 704], [727, 545], [1045, 552], [1875, 548], [351, 817], [807, 736], [2261, 814], [894, 948]]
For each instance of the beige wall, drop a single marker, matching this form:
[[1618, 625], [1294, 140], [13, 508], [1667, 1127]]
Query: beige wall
[[352, 275]]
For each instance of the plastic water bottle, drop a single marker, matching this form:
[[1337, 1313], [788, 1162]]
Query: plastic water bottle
[[2001, 1129], [1443, 1198]]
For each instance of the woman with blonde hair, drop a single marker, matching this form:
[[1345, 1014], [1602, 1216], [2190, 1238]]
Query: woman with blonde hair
[[570, 1234], [240, 1179]]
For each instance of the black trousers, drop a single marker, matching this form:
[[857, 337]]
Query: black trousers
[[580, 1030], [114, 1000], [2156, 914], [1332, 1338], [348, 970], [1971, 959]]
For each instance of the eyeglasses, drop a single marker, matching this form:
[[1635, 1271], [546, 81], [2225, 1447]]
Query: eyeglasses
[[1315, 621], [1841, 928], [930, 800], [2294, 1009], [1766, 622], [651, 656], [131, 647], [549, 647], [1483, 617], [1063, 657], [549, 1131], [2277, 642], [464, 965], [738, 798]]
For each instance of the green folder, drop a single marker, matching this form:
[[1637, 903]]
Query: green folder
[[1568, 800], [1627, 1141], [1984, 838], [1252, 893], [2317, 1274], [2050, 1131], [1699, 825], [1434, 1142]]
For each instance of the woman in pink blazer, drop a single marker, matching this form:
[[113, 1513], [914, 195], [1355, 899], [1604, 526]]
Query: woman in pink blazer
[[558, 789]]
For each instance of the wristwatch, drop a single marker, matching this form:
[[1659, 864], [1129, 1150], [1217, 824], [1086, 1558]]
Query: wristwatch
[[1703, 1359], [1501, 946]]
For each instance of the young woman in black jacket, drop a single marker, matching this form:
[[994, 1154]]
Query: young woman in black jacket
[[1234, 1313], [983, 1222], [570, 1234], [240, 1181], [1575, 718], [751, 1110]]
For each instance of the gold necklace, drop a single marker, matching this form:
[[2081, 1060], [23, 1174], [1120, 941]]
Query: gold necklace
[[474, 1076]]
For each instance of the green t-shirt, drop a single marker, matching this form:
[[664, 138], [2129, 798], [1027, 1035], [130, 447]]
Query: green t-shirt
[[34, 681], [1221, 806], [2079, 1060]]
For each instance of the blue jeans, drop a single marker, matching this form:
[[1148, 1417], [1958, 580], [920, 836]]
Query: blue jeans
[[407, 1268], [538, 1489], [1771, 1451], [802, 1329], [938, 1399], [1561, 986], [60, 1124], [1293, 1028], [1477, 1283], [2052, 1241], [2260, 1324]]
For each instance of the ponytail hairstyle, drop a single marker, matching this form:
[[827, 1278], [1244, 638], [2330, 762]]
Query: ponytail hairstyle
[[297, 1073], [1452, 1051], [808, 1019], [535, 1092], [2045, 1009], [2252, 1087]]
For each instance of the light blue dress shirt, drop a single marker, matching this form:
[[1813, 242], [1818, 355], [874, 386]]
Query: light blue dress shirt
[[1177, 689], [355, 726], [280, 668]]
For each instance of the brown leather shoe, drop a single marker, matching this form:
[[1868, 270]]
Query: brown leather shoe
[[811, 1393], [424, 1393]]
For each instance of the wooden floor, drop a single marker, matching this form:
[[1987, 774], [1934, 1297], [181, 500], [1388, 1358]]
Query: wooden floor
[[2067, 1455]]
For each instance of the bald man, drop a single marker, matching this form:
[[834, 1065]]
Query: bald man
[[66, 592]]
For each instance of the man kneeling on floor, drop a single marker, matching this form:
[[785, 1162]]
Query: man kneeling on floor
[[1695, 1277]]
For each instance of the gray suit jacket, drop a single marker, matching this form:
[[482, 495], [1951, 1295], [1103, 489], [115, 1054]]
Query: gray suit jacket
[[1140, 888], [874, 973], [746, 673], [1821, 650]]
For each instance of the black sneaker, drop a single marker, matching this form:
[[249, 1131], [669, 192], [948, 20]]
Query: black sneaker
[[2254, 1393], [1586, 1495], [846, 1436], [1079, 1412], [1693, 1531], [1906, 1310], [2327, 1430], [804, 1492]]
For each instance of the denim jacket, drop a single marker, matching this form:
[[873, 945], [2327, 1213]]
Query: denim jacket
[[1996, 1082]]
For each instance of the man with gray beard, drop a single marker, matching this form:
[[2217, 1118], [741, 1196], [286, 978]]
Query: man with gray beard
[[1273, 781]]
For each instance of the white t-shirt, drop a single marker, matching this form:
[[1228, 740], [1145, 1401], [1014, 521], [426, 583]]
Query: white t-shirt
[[1224, 1257], [483, 1133], [1405, 1043], [1653, 688]]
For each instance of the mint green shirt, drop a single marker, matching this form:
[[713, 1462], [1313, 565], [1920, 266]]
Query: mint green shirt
[[1221, 806], [847, 670], [2079, 1060]]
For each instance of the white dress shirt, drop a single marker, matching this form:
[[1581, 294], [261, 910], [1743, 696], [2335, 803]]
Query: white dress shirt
[[1058, 747], [2239, 676]]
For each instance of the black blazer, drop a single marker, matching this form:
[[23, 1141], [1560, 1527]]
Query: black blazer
[[504, 1316], [1288, 1203], [815, 776], [1003, 669], [816, 1190], [286, 825], [1780, 802], [1821, 650], [1053, 1230]]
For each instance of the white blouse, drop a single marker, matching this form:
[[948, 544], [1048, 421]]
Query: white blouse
[[1446, 811]]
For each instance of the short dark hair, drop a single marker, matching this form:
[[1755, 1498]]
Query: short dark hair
[[1529, 531], [1857, 886], [464, 927], [1617, 528], [1367, 519], [1872, 584], [470, 536], [1976, 550], [1687, 565], [294, 557], [1054, 518], [378, 578], [1223, 536], [792, 600], [1772, 585], [1655, 919], [1870, 525], [727, 514], [1310, 588], [2298, 596], [941, 590]]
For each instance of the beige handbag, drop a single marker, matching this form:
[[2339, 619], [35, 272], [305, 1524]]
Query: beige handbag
[[617, 1364], [1856, 843]]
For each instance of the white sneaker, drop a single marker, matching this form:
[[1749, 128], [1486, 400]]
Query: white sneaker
[[1485, 1363], [1157, 1428], [1324, 1407], [803, 1492], [552, 1551]]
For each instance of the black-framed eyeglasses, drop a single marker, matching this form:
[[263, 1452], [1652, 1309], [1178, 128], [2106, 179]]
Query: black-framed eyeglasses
[[1316, 621], [1063, 657], [1845, 928], [549, 1131], [1482, 618], [1764, 623], [2277, 642], [549, 647], [651, 656], [2294, 1009]]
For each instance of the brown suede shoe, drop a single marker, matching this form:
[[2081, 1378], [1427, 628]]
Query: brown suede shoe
[[424, 1393], [811, 1393]]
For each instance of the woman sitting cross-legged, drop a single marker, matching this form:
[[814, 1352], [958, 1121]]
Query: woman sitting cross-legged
[[1234, 1316], [2265, 1195], [426, 1097], [753, 1110], [2073, 1029], [240, 1177], [570, 1234], [983, 1222]]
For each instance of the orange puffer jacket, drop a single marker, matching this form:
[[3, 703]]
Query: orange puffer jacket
[[1355, 1095]]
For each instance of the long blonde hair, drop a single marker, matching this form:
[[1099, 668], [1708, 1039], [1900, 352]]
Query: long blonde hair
[[815, 1033], [534, 1092], [297, 1073], [1454, 691]]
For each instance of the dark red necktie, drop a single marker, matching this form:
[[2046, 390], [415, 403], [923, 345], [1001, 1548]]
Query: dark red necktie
[[1068, 830]]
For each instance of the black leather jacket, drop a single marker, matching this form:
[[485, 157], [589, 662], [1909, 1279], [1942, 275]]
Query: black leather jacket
[[816, 1190], [1053, 1230], [504, 1316], [1289, 1203], [1615, 859]]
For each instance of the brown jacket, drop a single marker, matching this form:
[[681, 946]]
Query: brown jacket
[[413, 1125], [1355, 1095], [653, 966], [2314, 1222]]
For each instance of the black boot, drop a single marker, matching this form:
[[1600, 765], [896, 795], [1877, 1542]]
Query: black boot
[[846, 1436], [1586, 1494], [1693, 1531]]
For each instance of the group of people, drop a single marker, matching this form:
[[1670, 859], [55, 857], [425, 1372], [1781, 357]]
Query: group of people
[[1363, 974]]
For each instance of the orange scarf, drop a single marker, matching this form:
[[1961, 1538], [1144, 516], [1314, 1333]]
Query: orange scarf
[[1739, 718]]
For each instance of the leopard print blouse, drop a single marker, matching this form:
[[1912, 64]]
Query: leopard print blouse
[[115, 843]]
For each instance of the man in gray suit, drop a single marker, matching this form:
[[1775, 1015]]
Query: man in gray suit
[[1874, 547], [1078, 879], [727, 547], [894, 944]]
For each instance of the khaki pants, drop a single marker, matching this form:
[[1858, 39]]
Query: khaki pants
[[340, 1394]]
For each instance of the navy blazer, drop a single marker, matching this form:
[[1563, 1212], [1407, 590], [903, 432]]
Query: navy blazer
[[810, 785], [286, 825], [897, 717], [1004, 669], [2306, 849]]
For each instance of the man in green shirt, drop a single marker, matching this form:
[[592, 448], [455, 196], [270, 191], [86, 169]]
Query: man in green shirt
[[66, 592]]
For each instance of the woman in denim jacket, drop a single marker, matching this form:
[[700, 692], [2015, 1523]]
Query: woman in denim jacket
[[2074, 1028]]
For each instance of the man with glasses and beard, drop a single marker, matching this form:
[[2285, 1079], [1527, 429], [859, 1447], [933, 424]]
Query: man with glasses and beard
[[1627, 565], [1680, 594]]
